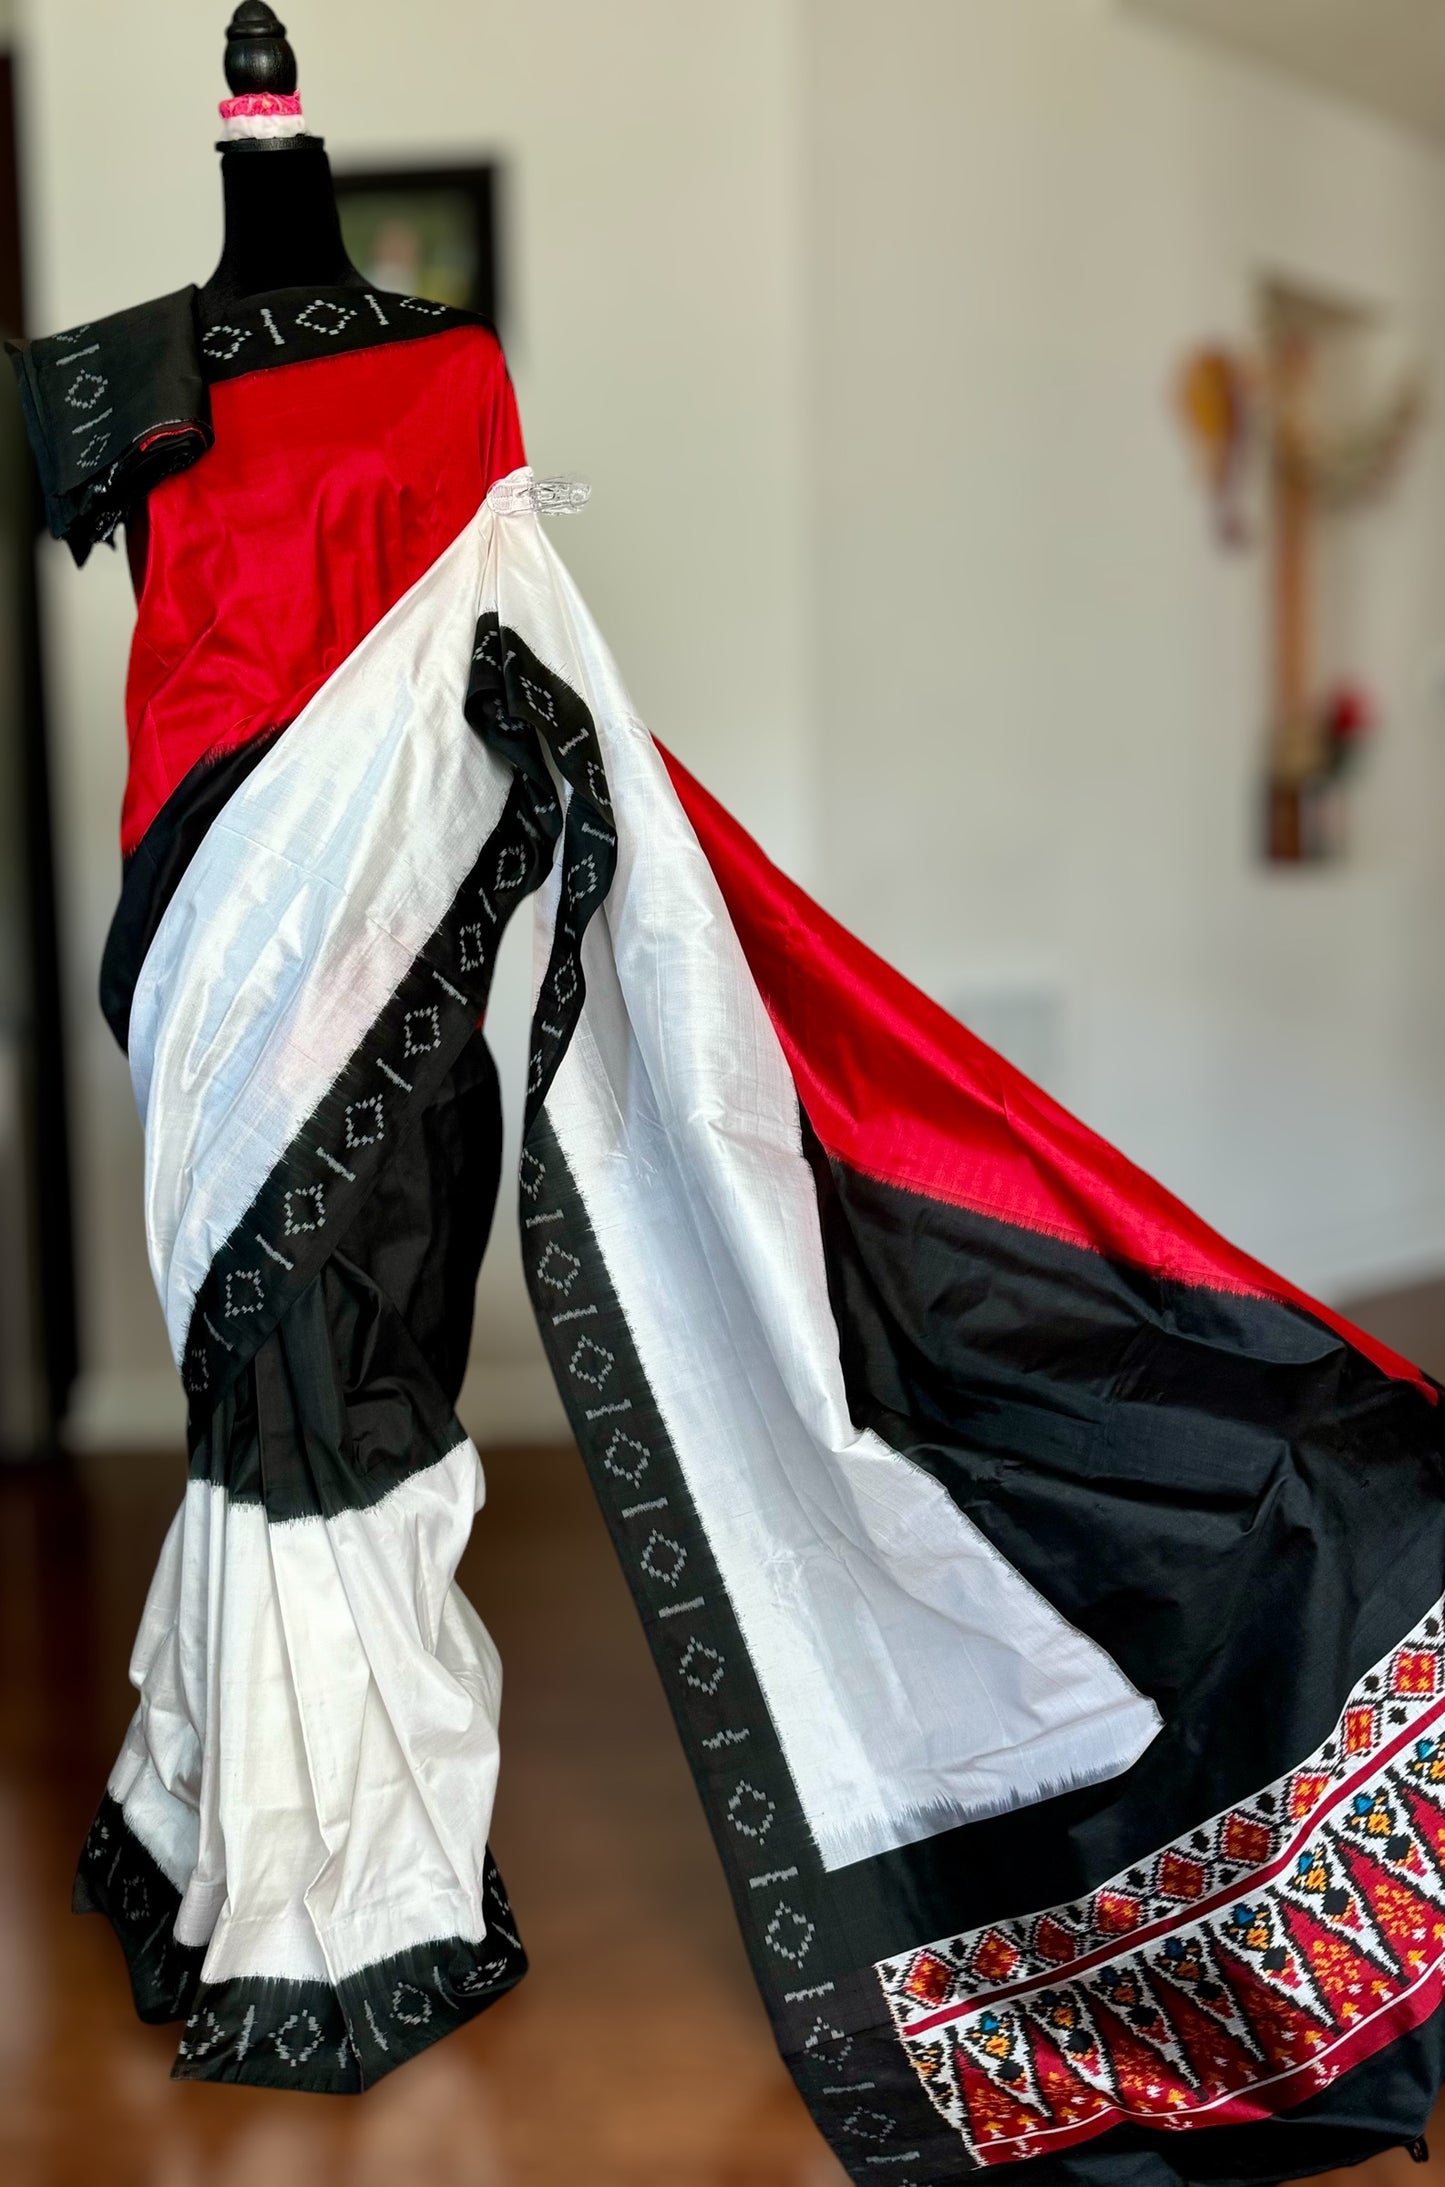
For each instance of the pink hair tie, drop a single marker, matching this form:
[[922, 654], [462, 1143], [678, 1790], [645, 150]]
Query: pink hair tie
[[264, 114]]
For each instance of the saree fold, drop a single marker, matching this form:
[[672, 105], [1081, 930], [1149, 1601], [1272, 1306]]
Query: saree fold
[[1048, 1596]]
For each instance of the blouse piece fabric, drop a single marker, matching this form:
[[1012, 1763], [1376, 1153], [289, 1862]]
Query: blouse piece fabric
[[111, 408], [1048, 1595]]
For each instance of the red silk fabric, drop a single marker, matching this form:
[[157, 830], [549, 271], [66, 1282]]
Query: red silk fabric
[[332, 486], [897, 1089]]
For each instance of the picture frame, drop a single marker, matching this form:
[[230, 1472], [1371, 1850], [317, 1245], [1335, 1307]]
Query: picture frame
[[425, 231]]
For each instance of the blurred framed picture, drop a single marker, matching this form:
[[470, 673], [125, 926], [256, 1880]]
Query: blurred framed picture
[[425, 231]]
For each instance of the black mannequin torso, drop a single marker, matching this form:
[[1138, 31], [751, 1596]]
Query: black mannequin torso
[[282, 226]]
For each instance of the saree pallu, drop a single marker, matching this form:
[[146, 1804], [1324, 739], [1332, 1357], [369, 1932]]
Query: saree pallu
[[1047, 1595]]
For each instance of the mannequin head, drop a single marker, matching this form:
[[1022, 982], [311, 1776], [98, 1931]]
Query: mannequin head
[[282, 226]]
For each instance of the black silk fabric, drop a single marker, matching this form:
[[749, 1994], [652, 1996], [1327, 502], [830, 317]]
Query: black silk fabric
[[1243, 1511], [355, 1389], [111, 408]]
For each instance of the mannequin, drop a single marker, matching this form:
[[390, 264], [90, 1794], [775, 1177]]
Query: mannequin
[[282, 228]]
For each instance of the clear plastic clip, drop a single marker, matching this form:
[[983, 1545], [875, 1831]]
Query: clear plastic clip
[[521, 494]]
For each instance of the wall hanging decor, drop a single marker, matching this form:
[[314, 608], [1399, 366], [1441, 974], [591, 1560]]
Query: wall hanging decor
[[1293, 439]]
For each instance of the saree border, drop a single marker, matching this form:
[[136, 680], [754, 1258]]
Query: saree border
[[274, 2032], [1294, 1935]]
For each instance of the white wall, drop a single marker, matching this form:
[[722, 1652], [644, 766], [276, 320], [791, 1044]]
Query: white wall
[[1044, 688], [863, 320]]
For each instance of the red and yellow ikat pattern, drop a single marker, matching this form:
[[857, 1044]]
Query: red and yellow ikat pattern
[[1228, 1976]]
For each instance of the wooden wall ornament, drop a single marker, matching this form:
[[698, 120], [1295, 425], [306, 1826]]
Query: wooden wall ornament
[[1335, 445], [1297, 428]]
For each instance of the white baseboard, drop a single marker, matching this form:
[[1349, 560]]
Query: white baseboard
[[133, 1409]]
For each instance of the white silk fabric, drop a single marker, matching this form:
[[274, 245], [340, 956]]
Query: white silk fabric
[[914, 1678]]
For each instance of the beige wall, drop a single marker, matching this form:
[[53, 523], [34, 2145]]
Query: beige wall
[[862, 321], [1043, 686]]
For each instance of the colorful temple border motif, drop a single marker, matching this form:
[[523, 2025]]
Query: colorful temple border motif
[[1232, 1974]]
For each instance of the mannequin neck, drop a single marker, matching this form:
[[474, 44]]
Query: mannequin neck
[[282, 226]]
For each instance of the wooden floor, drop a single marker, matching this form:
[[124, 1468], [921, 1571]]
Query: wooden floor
[[634, 2055]]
